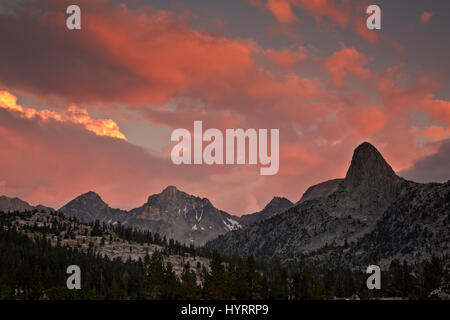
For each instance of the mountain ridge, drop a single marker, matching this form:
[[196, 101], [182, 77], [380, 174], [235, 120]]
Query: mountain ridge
[[275, 206], [172, 212], [8, 204], [330, 214], [335, 213], [90, 206]]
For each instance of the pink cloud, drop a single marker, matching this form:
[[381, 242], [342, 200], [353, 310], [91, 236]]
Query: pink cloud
[[425, 17], [346, 61], [282, 10], [344, 14], [156, 65], [287, 58], [51, 162], [130, 51], [339, 13], [436, 133]]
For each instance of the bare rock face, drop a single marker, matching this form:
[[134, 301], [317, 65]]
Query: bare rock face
[[370, 182], [338, 212], [368, 169], [369, 188]]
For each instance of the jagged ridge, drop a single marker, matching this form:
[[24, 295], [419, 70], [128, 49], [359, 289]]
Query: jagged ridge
[[336, 213]]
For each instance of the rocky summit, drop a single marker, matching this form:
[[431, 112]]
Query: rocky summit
[[181, 216], [344, 221], [89, 207], [171, 213]]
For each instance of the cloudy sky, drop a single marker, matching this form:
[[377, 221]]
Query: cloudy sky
[[93, 109]]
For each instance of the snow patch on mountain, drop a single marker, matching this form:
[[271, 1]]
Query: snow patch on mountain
[[231, 225]]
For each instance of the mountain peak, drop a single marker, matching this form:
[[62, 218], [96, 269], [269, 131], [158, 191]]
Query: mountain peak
[[170, 189], [275, 206], [277, 202], [169, 194], [13, 204], [91, 195], [367, 163], [89, 207]]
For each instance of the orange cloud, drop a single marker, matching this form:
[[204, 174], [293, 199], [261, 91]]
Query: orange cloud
[[339, 13], [155, 64], [369, 120], [439, 110], [287, 58], [342, 13], [425, 17], [167, 55], [73, 114], [436, 133], [139, 56], [282, 10], [346, 61]]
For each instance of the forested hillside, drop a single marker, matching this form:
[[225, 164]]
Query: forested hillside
[[34, 267]]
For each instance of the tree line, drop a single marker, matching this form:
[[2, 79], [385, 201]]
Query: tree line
[[33, 268]]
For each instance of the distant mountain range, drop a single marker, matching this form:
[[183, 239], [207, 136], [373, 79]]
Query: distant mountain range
[[371, 216], [173, 213], [15, 204]]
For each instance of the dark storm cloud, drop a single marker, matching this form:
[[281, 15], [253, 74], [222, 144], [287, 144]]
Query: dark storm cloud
[[434, 168], [40, 55]]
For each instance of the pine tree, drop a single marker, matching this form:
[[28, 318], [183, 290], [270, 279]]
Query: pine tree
[[190, 290], [155, 276], [302, 282], [215, 284], [171, 288], [433, 273], [279, 288]]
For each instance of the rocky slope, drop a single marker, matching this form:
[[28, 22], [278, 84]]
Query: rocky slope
[[59, 230], [416, 226], [358, 211]]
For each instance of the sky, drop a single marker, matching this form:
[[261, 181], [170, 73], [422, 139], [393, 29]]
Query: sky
[[94, 109]]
